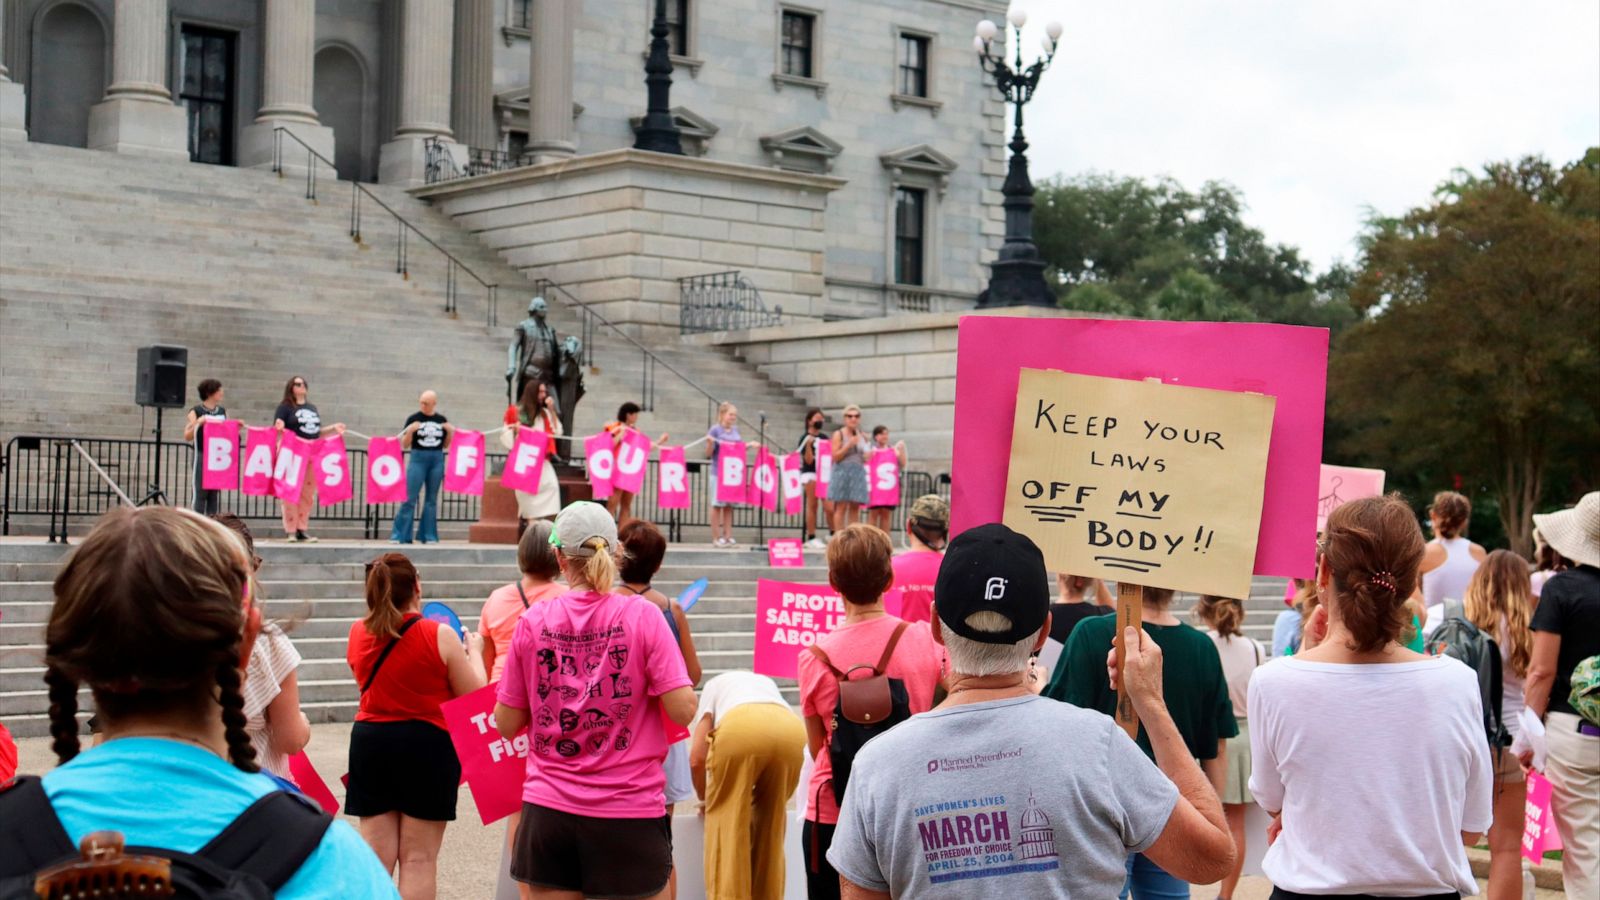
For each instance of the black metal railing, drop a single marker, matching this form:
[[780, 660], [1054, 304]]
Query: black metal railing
[[46, 477], [441, 166], [405, 231], [722, 301]]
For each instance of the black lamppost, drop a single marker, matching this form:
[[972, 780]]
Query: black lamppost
[[1017, 277], [658, 131]]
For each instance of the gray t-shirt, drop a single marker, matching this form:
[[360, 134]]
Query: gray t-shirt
[[1023, 797]]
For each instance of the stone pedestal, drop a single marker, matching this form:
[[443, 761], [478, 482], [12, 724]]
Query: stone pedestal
[[404, 161], [138, 116], [140, 127], [575, 484], [497, 517], [13, 112], [256, 145]]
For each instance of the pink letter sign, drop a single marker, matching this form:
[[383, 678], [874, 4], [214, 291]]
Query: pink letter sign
[[259, 444], [730, 473], [289, 472], [331, 469], [1341, 484], [601, 462], [885, 472], [492, 766], [464, 463], [785, 553], [764, 484], [386, 471], [220, 472], [789, 618], [672, 474], [824, 466], [1285, 361], [631, 459], [525, 466], [1539, 834], [793, 492]]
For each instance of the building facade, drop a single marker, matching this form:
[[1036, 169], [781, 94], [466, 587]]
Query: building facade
[[883, 94]]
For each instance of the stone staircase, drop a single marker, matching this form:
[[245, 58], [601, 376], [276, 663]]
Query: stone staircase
[[318, 589], [102, 253]]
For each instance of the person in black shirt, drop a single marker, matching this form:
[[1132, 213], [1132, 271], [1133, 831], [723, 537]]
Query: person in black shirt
[[298, 415], [808, 476], [1080, 597], [206, 503], [426, 435]]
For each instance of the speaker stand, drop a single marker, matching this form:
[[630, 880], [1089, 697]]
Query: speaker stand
[[156, 493]]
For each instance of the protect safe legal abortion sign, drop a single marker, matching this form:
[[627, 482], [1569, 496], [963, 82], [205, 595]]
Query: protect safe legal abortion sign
[[789, 618]]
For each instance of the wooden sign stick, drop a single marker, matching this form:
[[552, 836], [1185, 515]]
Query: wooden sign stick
[[1130, 614]]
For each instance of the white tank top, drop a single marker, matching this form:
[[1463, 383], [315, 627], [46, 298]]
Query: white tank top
[[1449, 581]]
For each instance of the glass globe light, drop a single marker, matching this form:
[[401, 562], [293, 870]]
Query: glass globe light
[[987, 30], [1018, 17]]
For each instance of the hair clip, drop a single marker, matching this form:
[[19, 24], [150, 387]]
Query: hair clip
[[1384, 580]]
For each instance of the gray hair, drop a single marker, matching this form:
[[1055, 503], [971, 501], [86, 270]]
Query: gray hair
[[975, 658]]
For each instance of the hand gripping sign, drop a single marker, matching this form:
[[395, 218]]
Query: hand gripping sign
[[633, 456], [260, 445], [289, 470], [730, 473], [884, 468], [601, 462], [220, 471], [525, 466], [464, 464], [793, 492], [386, 471], [331, 470], [672, 474], [764, 484]]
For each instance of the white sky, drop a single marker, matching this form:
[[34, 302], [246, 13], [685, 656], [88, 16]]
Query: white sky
[[1316, 110]]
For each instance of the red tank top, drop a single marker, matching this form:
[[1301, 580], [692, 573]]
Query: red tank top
[[413, 680]]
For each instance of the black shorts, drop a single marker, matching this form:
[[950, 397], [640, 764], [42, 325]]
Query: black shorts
[[606, 859], [405, 767]]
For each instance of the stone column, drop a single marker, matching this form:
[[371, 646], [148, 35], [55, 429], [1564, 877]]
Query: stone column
[[289, 43], [550, 130], [137, 116], [472, 103], [13, 99], [427, 34]]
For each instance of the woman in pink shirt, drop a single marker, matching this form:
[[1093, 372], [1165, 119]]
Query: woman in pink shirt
[[915, 571], [536, 559], [590, 675], [859, 569]]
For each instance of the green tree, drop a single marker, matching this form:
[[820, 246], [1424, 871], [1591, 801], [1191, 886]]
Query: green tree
[[1477, 358]]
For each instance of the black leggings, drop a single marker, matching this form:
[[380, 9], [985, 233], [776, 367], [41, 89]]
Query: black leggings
[[822, 880]]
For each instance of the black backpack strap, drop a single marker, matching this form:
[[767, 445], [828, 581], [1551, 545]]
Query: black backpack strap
[[521, 593], [31, 835], [271, 839], [406, 626]]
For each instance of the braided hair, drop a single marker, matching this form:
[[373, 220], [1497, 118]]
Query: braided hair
[[150, 614]]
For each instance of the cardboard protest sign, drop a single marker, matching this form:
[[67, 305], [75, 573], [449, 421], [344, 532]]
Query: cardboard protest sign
[[492, 766], [824, 466], [764, 482], [386, 471], [289, 469], [785, 553], [1341, 484], [330, 468], [883, 468], [1539, 835], [1145, 482], [600, 462], [793, 491], [730, 486], [305, 777], [633, 455], [789, 618], [260, 445], [672, 474], [220, 469], [525, 465], [464, 464], [1284, 361]]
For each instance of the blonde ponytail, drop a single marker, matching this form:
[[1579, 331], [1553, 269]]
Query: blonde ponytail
[[600, 569]]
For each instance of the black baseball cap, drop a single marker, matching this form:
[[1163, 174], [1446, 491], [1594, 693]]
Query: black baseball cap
[[991, 567]]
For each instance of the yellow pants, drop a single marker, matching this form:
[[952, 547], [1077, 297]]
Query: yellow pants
[[751, 770]]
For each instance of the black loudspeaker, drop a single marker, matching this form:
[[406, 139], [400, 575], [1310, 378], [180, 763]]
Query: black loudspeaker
[[162, 376]]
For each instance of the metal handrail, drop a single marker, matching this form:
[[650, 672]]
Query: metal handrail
[[101, 472], [491, 316]]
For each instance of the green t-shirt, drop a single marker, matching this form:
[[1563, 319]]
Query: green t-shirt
[[1195, 690]]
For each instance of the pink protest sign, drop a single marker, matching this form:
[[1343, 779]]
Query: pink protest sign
[[305, 777], [884, 471], [1284, 361], [331, 470], [789, 618], [219, 470], [764, 482], [672, 475], [289, 470], [1539, 835], [260, 445], [793, 491], [824, 466], [730, 473], [785, 553], [386, 471], [633, 455], [525, 466], [492, 766], [601, 462], [1341, 484], [464, 463]]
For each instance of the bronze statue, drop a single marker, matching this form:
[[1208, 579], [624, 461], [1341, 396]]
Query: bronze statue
[[537, 355]]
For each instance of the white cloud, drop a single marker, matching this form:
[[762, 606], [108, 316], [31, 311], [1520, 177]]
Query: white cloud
[[1316, 111]]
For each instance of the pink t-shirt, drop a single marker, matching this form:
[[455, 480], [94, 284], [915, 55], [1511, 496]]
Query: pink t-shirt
[[911, 596], [917, 661], [500, 614], [589, 668]]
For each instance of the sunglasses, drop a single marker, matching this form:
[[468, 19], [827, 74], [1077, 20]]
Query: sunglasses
[[852, 415]]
